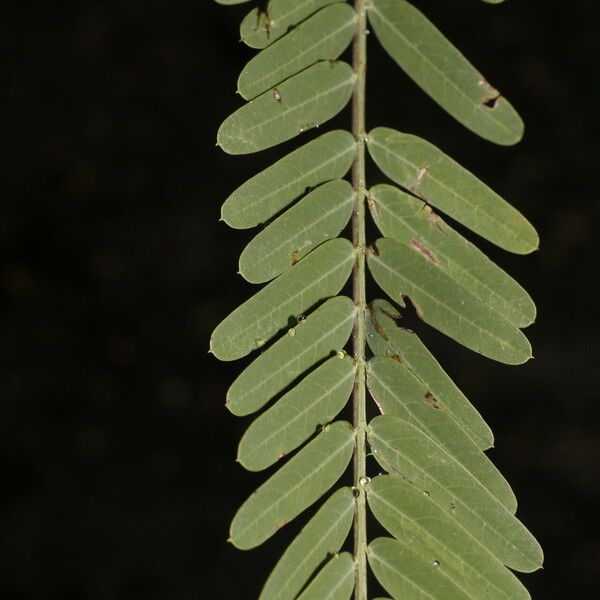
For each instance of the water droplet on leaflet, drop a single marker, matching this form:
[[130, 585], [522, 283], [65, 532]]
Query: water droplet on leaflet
[[436, 563], [292, 332], [342, 354], [426, 493], [259, 342], [277, 95], [301, 318], [364, 481]]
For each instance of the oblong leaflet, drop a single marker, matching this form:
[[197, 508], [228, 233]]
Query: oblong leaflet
[[294, 487], [318, 217], [327, 157], [303, 102]]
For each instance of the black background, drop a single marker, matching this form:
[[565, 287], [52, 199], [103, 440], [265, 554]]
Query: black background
[[116, 452]]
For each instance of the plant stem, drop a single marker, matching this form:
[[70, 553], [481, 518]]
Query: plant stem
[[359, 51]]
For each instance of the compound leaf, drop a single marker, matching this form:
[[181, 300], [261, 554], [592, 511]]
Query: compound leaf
[[451, 512], [296, 486]]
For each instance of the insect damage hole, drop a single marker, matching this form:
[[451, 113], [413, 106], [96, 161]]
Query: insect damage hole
[[491, 95], [490, 103], [262, 14]]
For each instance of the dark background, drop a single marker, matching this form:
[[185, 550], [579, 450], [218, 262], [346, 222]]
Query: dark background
[[116, 452]]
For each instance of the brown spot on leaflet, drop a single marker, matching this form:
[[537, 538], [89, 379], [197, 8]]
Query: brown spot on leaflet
[[429, 399], [414, 188], [418, 245], [378, 327], [433, 217]]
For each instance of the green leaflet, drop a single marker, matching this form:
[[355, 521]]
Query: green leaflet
[[408, 220], [406, 574], [400, 394], [260, 28], [426, 171], [402, 270], [443, 72], [322, 37], [297, 485], [401, 448], [260, 198], [434, 536], [314, 402], [319, 216], [385, 338], [303, 102], [323, 332], [321, 537], [317, 276], [334, 582]]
